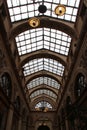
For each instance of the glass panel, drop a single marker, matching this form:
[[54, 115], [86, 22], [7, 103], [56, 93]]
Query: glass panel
[[43, 64], [32, 40], [29, 8], [43, 91], [43, 81], [43, 104]]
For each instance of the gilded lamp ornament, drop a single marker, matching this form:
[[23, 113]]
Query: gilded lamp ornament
[[34, 22], [60, 10]]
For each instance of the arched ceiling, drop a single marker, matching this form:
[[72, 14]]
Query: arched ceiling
[[43, 92], [42, 73], [64, 26], [44, 86], [43, 53], [43, 50], [46, 64], [43, 81]]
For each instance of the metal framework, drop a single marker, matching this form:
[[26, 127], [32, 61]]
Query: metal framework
[[43, 38]]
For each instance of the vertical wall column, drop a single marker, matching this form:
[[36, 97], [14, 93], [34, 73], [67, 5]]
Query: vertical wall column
[[20, 123], [9, 118], [24, 124], [67, 124]]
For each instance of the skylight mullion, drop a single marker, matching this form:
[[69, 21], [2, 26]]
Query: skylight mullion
[[73, 10], [55, 39], [36, 37], [34, 8], [21, 11], [51, 67], [43, 36], [43, 64], [50, 37], [14, 14], [30, 39], [51, 8], [72, 14]]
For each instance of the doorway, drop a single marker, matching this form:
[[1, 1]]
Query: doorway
[[43, 127]]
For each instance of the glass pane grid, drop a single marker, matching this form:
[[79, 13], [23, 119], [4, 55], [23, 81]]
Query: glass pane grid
[[43, 81], [22, 10], [43, 104], [32, 40], [43, 64], [43, 91]]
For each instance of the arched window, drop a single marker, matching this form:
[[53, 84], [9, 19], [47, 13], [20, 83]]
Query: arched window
[[5, 83], [79, 84], [43, 106]]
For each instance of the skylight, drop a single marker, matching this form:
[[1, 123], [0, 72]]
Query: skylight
[[42, 92], [43, 81], [47, 64], [44, 103], [24, 9], [43, 38]]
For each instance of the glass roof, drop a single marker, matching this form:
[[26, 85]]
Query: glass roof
[[41, 92], [47, 64], [24, 9], [43, 38], [43, 104], [43, 80]]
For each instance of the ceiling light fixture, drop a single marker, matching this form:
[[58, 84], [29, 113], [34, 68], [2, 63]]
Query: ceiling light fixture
[[42, 9], [34, 22], [60, 10]]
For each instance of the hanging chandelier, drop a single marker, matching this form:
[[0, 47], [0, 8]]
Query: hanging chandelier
[[60, 10], [42, 8], [34, 22]]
